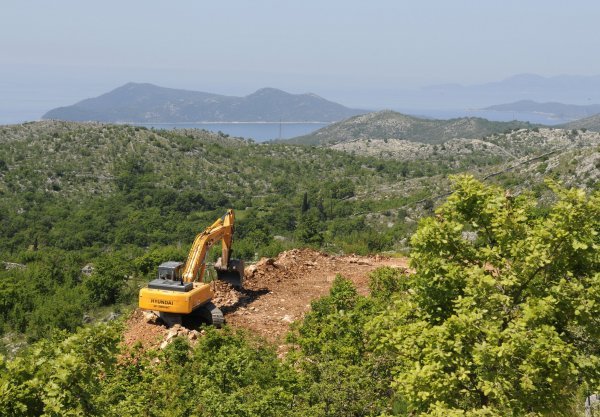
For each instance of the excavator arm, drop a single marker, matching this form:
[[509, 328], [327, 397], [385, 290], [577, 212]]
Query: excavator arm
[[222, 229]]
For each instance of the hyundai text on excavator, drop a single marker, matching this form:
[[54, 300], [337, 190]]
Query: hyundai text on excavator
[[180, 289]]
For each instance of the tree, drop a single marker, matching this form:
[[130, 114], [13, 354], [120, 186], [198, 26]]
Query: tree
[[105, 284], [341, 377], [309, 229], [503, 324], [305, 205]]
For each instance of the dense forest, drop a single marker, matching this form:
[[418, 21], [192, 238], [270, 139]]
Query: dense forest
[[498, 318]]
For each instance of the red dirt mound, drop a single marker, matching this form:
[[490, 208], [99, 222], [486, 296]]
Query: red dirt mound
[[278, 291]]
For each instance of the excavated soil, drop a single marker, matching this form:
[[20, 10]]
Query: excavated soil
[[277, 292], [144, 329]]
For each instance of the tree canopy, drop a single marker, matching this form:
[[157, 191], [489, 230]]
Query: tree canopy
[[502, 314]]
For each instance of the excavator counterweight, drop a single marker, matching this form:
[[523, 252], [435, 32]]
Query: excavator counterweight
[[179, 288]]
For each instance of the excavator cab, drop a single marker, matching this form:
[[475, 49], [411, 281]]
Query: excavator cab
[[170, 270], [170, 278]]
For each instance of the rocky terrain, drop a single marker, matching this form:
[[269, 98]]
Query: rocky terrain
[[408, 150], [521, 160], [512, 144], [397, 177]]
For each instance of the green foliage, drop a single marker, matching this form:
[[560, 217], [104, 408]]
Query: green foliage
[[224, 374], [75, 187], [344, 378], [505, 324], [42, 297], [310, 229], [148, 262], [133, 198], [334, 317], [500, 318], [103, 288], [62, 310], [386, 281], [51, 292], [498, 322], [59, 376]]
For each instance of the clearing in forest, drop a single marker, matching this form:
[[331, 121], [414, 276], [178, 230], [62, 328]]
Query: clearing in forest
[[277, 292]]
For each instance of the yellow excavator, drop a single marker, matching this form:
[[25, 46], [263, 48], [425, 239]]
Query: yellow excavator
[[180, 289]]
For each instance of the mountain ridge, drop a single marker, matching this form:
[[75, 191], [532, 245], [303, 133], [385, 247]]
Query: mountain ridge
[[578, 89], [389, 124], [148, 103], [559, 110]]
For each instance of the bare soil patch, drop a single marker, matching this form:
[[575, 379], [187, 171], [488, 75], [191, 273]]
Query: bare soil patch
[[277, 292]]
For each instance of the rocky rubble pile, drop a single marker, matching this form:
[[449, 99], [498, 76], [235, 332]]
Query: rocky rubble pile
[[146, 329], [180, 331], [225, 294]]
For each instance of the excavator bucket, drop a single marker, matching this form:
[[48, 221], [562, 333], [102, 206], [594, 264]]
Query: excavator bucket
[[233, 273]]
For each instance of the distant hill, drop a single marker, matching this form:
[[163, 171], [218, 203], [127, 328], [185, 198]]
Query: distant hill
[[590, 123], [558, 110], [148, 103], [563, 88], [392, 125]]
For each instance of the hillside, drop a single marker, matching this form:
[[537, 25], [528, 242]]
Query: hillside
[[147, 103], [558, 110], [392, 125], [475, 299], [89, 210], [77, 160], [589, 123], [123, 198], [188, 171], [131, 185], [508, 145]]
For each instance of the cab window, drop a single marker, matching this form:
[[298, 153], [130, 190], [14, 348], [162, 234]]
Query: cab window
[[165, 274]]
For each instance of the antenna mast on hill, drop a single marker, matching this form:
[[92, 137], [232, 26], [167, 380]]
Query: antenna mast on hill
[[280, 128]]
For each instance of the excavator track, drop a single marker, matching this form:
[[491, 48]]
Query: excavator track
[[211, 314], [208, 313]]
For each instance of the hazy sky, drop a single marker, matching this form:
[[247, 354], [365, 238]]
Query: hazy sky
[[56, 52]]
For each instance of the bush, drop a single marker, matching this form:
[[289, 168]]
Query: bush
[[386, 281]]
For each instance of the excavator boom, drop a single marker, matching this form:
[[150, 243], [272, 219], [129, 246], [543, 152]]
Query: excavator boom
[[221, 229]]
